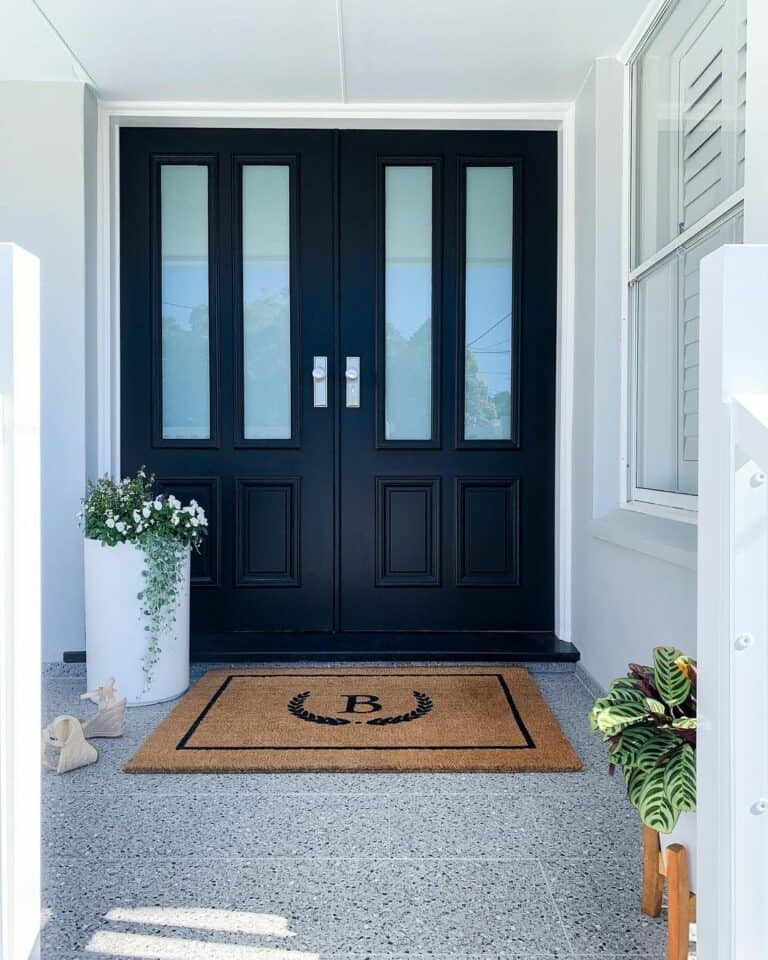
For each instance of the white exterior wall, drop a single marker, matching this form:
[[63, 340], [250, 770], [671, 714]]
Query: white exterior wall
[[42, 208], [634, 580]]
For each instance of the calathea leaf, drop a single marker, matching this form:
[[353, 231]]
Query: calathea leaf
[[656, 750], [655, 706], [614, 718], [624, 695], [685, 723], [680, 778], [654, 805], [629, 743], [623, 683], [671, 682], [635, 783]]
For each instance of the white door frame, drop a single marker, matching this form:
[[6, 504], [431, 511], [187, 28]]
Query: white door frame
[[558, 117]]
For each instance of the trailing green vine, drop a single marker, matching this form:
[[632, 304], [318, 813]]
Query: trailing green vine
[[127, 512]]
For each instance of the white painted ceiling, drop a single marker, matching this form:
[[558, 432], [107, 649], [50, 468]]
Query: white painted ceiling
[[355, 51]]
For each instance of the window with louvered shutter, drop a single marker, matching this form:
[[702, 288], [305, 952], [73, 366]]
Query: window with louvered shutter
[[688, 136], [729, 231], [709, 114]]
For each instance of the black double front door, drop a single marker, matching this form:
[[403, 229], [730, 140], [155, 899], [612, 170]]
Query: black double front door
[[342, 344]]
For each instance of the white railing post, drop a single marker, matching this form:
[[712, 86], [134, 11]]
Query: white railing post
[[19, 604], [732, 594]]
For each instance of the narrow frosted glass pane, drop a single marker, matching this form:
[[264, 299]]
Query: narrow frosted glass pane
[[267, 302], [184, 286], [408, 303], [488, 307]]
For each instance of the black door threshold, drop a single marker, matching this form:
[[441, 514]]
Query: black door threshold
[[521, 647], [541, 646]]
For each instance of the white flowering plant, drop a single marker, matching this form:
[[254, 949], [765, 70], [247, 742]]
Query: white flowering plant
[[127, 511]]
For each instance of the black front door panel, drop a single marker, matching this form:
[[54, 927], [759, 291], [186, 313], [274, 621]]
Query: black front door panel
[[408, 486]]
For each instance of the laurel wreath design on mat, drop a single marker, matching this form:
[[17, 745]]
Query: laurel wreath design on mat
[[424, 706], [296, 707]]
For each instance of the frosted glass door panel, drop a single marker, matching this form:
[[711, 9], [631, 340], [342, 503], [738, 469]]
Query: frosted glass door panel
[[408, 302], [184, 295], [488, 320], [266, 302]]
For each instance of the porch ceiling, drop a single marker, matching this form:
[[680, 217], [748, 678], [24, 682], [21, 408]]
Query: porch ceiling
[[341, 50]]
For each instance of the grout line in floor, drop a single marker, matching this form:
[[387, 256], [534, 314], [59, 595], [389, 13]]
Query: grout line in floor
[[557, 908]]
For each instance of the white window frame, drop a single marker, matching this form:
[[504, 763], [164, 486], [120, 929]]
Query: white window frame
[[660, 503]]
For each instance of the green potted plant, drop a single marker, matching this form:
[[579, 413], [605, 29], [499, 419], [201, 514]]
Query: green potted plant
[[648, 720], [137, 578]]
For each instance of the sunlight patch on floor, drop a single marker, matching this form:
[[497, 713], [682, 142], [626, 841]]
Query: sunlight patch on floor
[[176, 948], [202, 918]]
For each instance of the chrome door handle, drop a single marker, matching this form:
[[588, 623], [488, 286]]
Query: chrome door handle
[[352, 375], [320, 381]]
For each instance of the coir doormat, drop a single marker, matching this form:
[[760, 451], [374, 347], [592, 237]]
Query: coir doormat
[[449, 719]]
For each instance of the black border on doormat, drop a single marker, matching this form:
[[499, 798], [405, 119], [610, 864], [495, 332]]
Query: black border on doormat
[[529, 744]]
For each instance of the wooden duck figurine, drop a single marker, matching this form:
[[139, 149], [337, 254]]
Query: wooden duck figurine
[[65, 734], [110, 720]]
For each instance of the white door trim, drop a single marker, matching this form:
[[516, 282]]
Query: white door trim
[[520, 116]]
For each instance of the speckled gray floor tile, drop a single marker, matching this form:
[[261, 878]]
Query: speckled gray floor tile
[[220, 826], [358, 866], [598, 901], [497, 826], [386, 908]]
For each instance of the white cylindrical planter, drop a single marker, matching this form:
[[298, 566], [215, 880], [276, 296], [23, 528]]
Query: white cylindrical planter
[[115, 638], [684, 833]]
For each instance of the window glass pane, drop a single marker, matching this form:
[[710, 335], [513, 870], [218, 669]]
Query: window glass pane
[[668, 364], [488, 304], [657, 378], [184, 295], [408, 302], [266, 302], [689, 82]]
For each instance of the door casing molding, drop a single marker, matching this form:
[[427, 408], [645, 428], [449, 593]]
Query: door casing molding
[[112, 115]]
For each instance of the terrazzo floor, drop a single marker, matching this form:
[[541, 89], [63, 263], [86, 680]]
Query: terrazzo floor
[[337, 866]]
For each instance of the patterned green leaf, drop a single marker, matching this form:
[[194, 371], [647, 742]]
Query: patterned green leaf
[[619, 695], [672, 684], [680, 779], [685, 723], [615, 718], [631, 741], [654, 805], [623, 683], [625, 695], [635, 783], [653, 750], [655, 706]]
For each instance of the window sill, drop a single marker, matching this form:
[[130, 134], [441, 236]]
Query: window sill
[[670, 540]]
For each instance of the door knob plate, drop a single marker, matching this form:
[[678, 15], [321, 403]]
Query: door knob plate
[[352, 375], [320, 381]]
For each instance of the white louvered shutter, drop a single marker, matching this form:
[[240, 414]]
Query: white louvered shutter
[[729, 231], [712, 98], [712, 84], [741, 97]]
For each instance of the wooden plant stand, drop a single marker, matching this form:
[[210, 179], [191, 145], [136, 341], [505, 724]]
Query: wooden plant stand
[[681, 902]]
